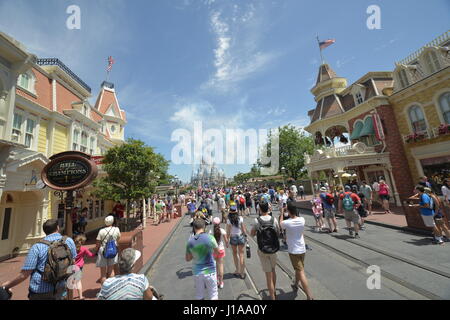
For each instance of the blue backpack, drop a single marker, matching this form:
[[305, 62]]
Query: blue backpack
[[110, 251]]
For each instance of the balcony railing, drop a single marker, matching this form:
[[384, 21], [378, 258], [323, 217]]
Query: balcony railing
[[338, 152], [57, 62]]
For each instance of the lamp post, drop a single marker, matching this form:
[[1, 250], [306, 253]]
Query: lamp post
[[283, 172]]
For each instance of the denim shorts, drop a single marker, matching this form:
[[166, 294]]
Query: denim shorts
[[237, 240]]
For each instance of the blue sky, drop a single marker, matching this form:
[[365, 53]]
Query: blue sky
[[231, 63]]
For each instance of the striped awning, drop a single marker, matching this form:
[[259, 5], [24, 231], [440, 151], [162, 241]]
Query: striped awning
[[356, 131], [367, 130]]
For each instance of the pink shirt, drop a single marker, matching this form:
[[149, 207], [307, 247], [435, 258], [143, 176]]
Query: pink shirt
[[79, 259]]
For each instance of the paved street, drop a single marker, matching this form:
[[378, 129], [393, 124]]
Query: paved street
[[336, 267]]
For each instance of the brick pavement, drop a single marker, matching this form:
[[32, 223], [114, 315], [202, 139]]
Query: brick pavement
[[153, 237]]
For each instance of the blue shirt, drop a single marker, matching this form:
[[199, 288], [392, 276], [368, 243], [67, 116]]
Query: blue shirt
[[426, 199], [36, 260], [326, 205], [191, 207]]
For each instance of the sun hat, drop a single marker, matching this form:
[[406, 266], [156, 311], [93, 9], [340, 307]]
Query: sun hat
[[109, 221], [129, 257], [216, 220], [323, 189]]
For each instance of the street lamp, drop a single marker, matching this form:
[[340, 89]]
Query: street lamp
[[283, 171], [176, 183]]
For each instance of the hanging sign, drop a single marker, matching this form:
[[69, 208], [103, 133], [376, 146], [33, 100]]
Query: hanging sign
[[69, 171], [378, 126]]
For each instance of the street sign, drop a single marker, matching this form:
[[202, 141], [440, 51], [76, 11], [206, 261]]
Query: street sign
[[69, 171]]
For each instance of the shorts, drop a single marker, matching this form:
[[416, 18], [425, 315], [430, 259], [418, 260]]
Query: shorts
[[102, 262], [237, 240], [351, 216], [329, 213], [384, 197], [206, 287], [268, 261], [298, 261], [220, 255], [368, 201], [428, 221], [241, 206], [248, 204]]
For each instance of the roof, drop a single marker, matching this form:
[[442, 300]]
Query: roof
[[325, 73]]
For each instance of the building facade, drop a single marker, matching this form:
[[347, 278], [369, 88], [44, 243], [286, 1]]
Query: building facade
[[44, 110], [421, 103]]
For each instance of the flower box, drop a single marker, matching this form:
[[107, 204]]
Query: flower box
[[415, 137], [444, 129]]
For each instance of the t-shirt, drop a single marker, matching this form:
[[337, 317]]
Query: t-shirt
[[220, 244], [124, 287], [294, 234], [445, 192], [234, 230], [191, 207], [104, 236], [159, 206], [426, 199], [383, 189], [201, 247], [367, 191], [376, 187], [248, 197], [267, 218], [294, 188], [221, 203], [354, 197], [79, 259], [323, 198], [284, 198]]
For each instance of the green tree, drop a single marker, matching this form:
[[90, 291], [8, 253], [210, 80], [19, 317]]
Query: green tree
[[293, 145], [133, 171]]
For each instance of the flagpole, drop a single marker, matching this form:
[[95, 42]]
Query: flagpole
[[321, 55]]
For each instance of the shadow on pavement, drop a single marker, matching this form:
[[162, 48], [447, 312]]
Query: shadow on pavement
[[91, 293], [183, 274], [343, 237], [421, 242], [246, 296]]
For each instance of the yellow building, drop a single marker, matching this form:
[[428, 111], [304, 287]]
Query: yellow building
[[421, 102], [44, 110]]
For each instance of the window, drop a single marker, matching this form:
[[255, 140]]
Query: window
[[432, 61], [6, 223], [26, 81], [359, 98], [85, 111], [92, 146], [29, 133], [84, 138], [76, 136], [403, 78], [17, 128], [113, 128], [444, 103], [417, 119]]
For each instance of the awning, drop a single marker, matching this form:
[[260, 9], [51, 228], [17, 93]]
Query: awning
[[356, 130], [368, 128]]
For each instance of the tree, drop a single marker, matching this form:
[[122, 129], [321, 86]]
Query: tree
[[133, 171], [293, 145]]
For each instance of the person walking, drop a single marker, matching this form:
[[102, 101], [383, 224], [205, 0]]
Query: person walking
[[349, 202], [384, 196], [159, 211], [301, 190], [438, 207], [366, 190], [445, 189], [83, 220], [82, 252], [107, 264], [267, 230], [222, 240], [127, 285], [329, 209], [317, 209], [295, 227], [222, 208], [376, 190], [41, 270], [426, 206], [237, 233], [200, 249], [361, 209]]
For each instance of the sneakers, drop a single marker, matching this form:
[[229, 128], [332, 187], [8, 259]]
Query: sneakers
[[362, 228], [350, 232], [335, 230], [221, 285], [357, 236]]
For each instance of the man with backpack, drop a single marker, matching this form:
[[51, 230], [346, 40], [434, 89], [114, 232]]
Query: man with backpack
[[349, 202], [241, 204], [267, 231], [47, 263], [329, 209], [295, 227]]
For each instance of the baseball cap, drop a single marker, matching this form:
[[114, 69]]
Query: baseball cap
[[216, 220], [347, 187]]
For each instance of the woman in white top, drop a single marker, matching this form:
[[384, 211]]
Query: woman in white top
[[446, 191], [107, 265], [237, 234]]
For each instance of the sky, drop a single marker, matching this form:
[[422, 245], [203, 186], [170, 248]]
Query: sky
[[231, 64]]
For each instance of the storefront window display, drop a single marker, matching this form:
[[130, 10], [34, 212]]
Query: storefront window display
[[436, 169]]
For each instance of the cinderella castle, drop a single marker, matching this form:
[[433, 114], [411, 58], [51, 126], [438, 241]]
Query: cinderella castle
[[208, 175]]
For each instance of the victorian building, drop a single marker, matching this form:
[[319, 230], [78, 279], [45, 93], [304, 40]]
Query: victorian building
[[44, 110]]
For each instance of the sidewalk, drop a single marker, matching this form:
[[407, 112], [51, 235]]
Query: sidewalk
[[397, 218], [153, 237]]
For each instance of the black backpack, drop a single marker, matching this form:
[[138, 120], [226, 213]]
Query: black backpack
[[267, 236]]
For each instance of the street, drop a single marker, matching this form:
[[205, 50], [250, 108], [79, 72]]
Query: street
[[336, 267]]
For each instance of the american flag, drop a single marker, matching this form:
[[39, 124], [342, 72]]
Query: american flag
[[326, 43], [110, 63]]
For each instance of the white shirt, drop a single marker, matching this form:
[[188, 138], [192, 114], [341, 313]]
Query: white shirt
[[294, 235], [376, 187], [221, 203], [294, 188], [220, 244], [104, 236], [236, 231]]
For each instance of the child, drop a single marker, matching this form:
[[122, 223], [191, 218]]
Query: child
[[221, 238], [79, 261], [318, 212]]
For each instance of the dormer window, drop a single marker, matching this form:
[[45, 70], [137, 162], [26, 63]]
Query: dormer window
[[85, 110], [26, 81], [359, 98], [403, 78], [432, 61]]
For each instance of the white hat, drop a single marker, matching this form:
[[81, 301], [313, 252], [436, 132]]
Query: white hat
[[109, 221]]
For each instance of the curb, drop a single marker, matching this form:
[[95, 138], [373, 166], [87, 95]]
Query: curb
[[149, 264]]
